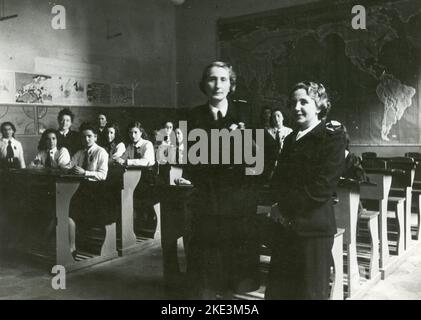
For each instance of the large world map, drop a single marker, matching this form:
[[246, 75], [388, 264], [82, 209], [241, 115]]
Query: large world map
[[372, 74]]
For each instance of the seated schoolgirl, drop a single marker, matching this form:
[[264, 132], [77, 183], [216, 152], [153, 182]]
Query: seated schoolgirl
[[140, 152], [114, 145], [50, 154], [11, 151]]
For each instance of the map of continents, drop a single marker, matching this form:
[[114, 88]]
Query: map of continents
[[372, 74]]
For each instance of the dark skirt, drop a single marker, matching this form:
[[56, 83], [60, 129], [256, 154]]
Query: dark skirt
[[223, 248], [300, 267], [90, 205]]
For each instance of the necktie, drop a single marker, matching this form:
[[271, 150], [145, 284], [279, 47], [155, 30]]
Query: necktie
[[137, 154], [85, 160], [177, 154], [219, 116], [10, 154], [48, 161], [278, 139]]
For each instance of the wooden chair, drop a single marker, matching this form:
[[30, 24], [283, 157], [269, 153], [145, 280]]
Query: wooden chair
[[368, 155]]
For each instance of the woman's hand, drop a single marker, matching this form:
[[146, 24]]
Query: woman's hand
[[182, 181], [233, 127], [120, 161], [277, 216], [77, 170]]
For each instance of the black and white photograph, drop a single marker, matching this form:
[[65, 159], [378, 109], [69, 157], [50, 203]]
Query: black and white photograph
[[232, 151]]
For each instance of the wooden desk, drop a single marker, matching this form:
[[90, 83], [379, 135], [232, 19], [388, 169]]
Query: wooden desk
[[130, 177], [175, 219], [61, 188], [402, 186], [383, 181], [346, 213], [175, 223]]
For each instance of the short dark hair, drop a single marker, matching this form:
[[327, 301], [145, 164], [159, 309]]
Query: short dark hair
[[8, 123], [88, 126], [272, 117], [318, 93], [65, 112], [42, 144], [219, 64]]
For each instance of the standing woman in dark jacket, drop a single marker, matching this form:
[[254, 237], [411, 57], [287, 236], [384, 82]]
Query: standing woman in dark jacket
[[66, 137], [223, 253], [309, 167]]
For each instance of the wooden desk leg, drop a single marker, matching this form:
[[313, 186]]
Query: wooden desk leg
[[337, 290], [384, 242], [109, 247], [128, 237], [374, 256], [417, 232], [64, 194], [354, 272], [408, 218], [157, 209], [346, 212], [400, 212]]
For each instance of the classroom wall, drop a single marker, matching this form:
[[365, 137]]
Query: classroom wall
[[197, 38], [197, 49], [145, 53]]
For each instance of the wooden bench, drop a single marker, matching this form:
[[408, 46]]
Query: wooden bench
[[402, 187], [125, 180], [395, 204], [375, 199], [54, 191]]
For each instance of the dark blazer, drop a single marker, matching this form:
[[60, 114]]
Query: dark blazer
[[306, 178], [102, 140], [72, 141], [220, 188]]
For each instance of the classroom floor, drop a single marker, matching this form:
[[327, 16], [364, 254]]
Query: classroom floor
[[139, 276]]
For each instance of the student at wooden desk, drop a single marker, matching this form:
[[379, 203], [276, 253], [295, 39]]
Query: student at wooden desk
[[309, 167], [114, 145], [11, 151], [88, 207], [140, 152], [50, 154]]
